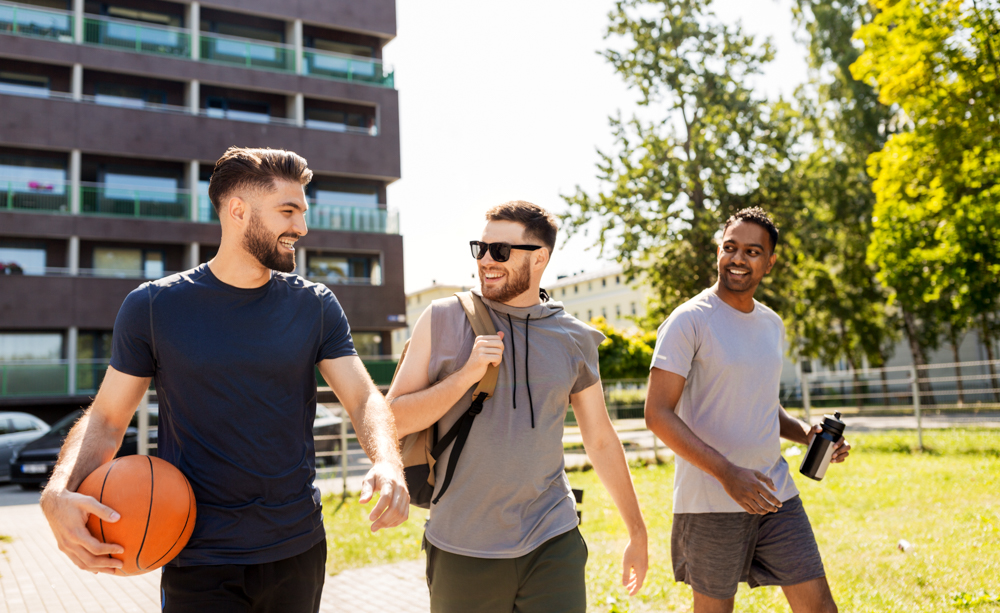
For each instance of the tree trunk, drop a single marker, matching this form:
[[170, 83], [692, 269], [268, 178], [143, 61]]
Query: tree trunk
[[916, 350], [988, 341], [955, 340]]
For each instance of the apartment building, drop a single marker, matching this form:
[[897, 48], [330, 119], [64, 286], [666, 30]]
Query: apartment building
[[416, 302], [602, 293], [112, 115]]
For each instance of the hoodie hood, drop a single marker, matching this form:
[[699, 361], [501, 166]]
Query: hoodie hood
[[547, 308]]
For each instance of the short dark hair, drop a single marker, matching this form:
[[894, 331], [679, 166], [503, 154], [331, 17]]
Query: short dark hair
[[243, 169], [538, 223], [758, 216]]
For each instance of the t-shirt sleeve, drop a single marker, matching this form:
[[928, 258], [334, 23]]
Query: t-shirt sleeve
[[336, 341], [132, 340], [676, 343], [588, 369]]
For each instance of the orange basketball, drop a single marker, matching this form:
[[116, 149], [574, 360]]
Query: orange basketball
[[156, 505]]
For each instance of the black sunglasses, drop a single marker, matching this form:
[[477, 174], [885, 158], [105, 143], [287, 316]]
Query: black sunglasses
[[500, 252]]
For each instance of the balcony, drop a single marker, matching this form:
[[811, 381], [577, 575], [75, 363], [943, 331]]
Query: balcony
[[147, 203], [37, 22], [41, 378], [152, 39], [136, 36]]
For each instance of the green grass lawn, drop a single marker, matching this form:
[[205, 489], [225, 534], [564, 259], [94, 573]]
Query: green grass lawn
[[945, 501]]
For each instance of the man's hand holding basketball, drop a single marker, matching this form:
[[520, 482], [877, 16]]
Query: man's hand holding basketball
[[393, 507], [67, 513]]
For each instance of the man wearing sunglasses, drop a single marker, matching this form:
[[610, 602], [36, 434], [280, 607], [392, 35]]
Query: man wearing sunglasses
[[504, 536]]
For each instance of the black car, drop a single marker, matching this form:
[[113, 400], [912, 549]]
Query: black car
[[32, 464]]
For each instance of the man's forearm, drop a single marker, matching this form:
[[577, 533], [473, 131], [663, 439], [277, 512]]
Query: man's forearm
[[608, 459], [419, 410], [792, 429], [376, 430], [89, 444], [684, 442]]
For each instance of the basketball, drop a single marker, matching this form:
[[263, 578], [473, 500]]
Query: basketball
[[157, 510]]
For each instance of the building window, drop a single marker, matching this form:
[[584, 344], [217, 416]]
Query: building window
[[125, 262], [618, 280], [590, 314], [807, 367], [117, 94], [22, 258], [345, 269], [590, 286], [368, 344], [338, 121], [240, 110], [633, 308], [576, 289], [604, 312], [30, 346], [618, 311], [577, 315], [21, 84], [604, 282], [564, 291], [332, 194]]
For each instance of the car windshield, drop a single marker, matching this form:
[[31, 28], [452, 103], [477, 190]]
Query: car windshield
[[62, 426]]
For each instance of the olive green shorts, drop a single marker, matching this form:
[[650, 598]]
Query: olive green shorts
[[550, 579]]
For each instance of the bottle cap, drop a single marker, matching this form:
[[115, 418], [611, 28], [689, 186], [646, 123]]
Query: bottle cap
[[833, 425]]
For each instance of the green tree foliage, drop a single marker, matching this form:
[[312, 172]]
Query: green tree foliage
[[713, 147], [936, 229], [624, 354], [838, 307]]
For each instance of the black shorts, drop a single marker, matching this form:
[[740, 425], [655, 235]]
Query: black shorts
[[292, 585], [714, 552]]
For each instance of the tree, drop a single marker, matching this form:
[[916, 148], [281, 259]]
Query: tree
[[936, 234], [839, 308], [713, 147], [624, 354]]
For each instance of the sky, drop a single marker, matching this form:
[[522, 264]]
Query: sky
[[510, 101]]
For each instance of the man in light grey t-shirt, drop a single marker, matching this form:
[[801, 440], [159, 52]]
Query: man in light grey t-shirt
[[713, 398], [503, 535]]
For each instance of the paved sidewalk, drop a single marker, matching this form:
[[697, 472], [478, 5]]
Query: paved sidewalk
[[35, 577]]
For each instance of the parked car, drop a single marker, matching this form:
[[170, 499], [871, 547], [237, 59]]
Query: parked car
[[16, 429], [32, 464], [326, 434]]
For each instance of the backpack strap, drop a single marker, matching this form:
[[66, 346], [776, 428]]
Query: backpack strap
[[479, 317]]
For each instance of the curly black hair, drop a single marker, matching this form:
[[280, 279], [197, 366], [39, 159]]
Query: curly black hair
[[759, 216]]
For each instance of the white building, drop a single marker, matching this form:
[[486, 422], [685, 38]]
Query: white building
[[603, 293], [416, 302]]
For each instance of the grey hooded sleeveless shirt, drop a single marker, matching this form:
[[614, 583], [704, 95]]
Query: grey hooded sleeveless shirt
[[510, 493]]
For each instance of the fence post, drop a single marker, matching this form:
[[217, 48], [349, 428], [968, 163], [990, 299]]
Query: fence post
[[806, 400], [915, 383], [142, 436], [344, 420]]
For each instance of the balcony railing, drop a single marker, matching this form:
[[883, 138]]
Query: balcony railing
[[140, 37], [146, 203], [247, 52], [24, 20], [136, 36], [353, 219], [142, 105], [172, 204], [41, 196], [346, 67], [25, 378]]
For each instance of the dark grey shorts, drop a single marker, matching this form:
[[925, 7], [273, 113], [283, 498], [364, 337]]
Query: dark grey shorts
[[714, 552]]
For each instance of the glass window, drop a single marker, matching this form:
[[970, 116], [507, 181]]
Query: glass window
[[29, 178], [146, 188], [152, 266], [590, 314], [93, 345], [30, 346], [333, 268], [337, 121], [24, 424], [633, 308], [117, 94], [604, 282], [239, 110], [5, 426], [618, 310], [345, 48], [127, 262], [21, 259], [367, 343], [346, 195], [604, 312], [22, 84], [618, 280]]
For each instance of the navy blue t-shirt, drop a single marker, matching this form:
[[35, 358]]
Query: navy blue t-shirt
[[235, 381]]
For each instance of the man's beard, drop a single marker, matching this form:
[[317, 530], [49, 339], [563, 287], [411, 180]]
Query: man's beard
[[518, 281], [264, 246]]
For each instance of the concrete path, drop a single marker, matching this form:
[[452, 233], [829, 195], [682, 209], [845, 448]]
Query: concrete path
[[35, 577]]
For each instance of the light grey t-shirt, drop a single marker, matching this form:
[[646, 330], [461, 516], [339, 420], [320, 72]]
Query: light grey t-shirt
[[510, 493], [732, 363]]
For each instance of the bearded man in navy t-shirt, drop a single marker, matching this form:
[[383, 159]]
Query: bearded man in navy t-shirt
[[232, 346]]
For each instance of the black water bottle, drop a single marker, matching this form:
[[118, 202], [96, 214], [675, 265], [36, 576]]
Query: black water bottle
[[820, 450]]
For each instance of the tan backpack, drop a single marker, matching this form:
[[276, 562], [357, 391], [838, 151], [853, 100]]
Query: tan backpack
[[421, 450]]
